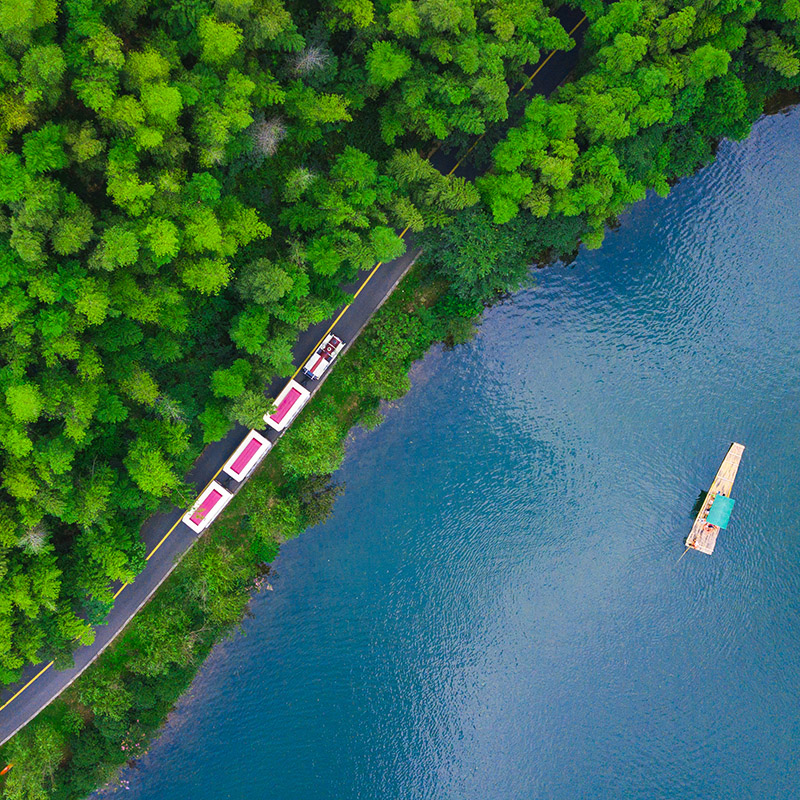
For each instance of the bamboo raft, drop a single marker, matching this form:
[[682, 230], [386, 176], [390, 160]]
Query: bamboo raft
[[713, 515]]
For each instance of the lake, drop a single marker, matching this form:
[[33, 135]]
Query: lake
[[496, 609]]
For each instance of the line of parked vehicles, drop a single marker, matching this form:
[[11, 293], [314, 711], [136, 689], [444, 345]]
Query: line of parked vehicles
[[249, 454]]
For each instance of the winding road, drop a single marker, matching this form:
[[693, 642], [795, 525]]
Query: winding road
[[166, 538]]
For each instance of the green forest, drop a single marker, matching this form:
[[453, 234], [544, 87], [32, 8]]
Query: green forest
[[186, 185], [183, 188]]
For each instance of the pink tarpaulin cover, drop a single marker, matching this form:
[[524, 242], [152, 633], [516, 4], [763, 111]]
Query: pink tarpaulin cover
[[285, 406], [244, 457], [205, 507]]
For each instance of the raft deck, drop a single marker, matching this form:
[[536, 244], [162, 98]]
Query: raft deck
[[703, 536]]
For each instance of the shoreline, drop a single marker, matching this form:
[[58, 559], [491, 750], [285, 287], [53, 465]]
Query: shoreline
[[165, 645], [277, 643], [418, 364], [164, 525]]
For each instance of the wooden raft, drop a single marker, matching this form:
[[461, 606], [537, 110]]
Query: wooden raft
[[703, 537]]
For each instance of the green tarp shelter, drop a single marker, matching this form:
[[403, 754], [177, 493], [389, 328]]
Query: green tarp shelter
[[720, 511]]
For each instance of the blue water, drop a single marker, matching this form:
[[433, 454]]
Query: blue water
[[495, 610]]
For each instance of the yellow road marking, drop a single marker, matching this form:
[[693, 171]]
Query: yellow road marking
[[37, 675], [458, 163], [341, 314], [521, 90], [167, 534], [541, 66]]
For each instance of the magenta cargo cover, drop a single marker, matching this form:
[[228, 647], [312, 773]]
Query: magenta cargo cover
[[207, 507], [247, 456], [287, 405]]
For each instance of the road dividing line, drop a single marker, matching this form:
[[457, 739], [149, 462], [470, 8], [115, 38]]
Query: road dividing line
[[540, 67], [474, 145], [20, 691], [342, 312]]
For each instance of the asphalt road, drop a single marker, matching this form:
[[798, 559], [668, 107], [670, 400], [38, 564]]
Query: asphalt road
[[166, 538]]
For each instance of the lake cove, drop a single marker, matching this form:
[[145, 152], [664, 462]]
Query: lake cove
[[494, 609]]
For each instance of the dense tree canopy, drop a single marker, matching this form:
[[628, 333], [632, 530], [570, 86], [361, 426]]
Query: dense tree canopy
[[183, 186], [660, 81]]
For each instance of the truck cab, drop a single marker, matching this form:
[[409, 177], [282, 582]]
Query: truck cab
[[323, 357]]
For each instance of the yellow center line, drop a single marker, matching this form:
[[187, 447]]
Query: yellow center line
[[552, 53], [344, 310], [330, 328], [458, 163], [37, 675], [521, 90]]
